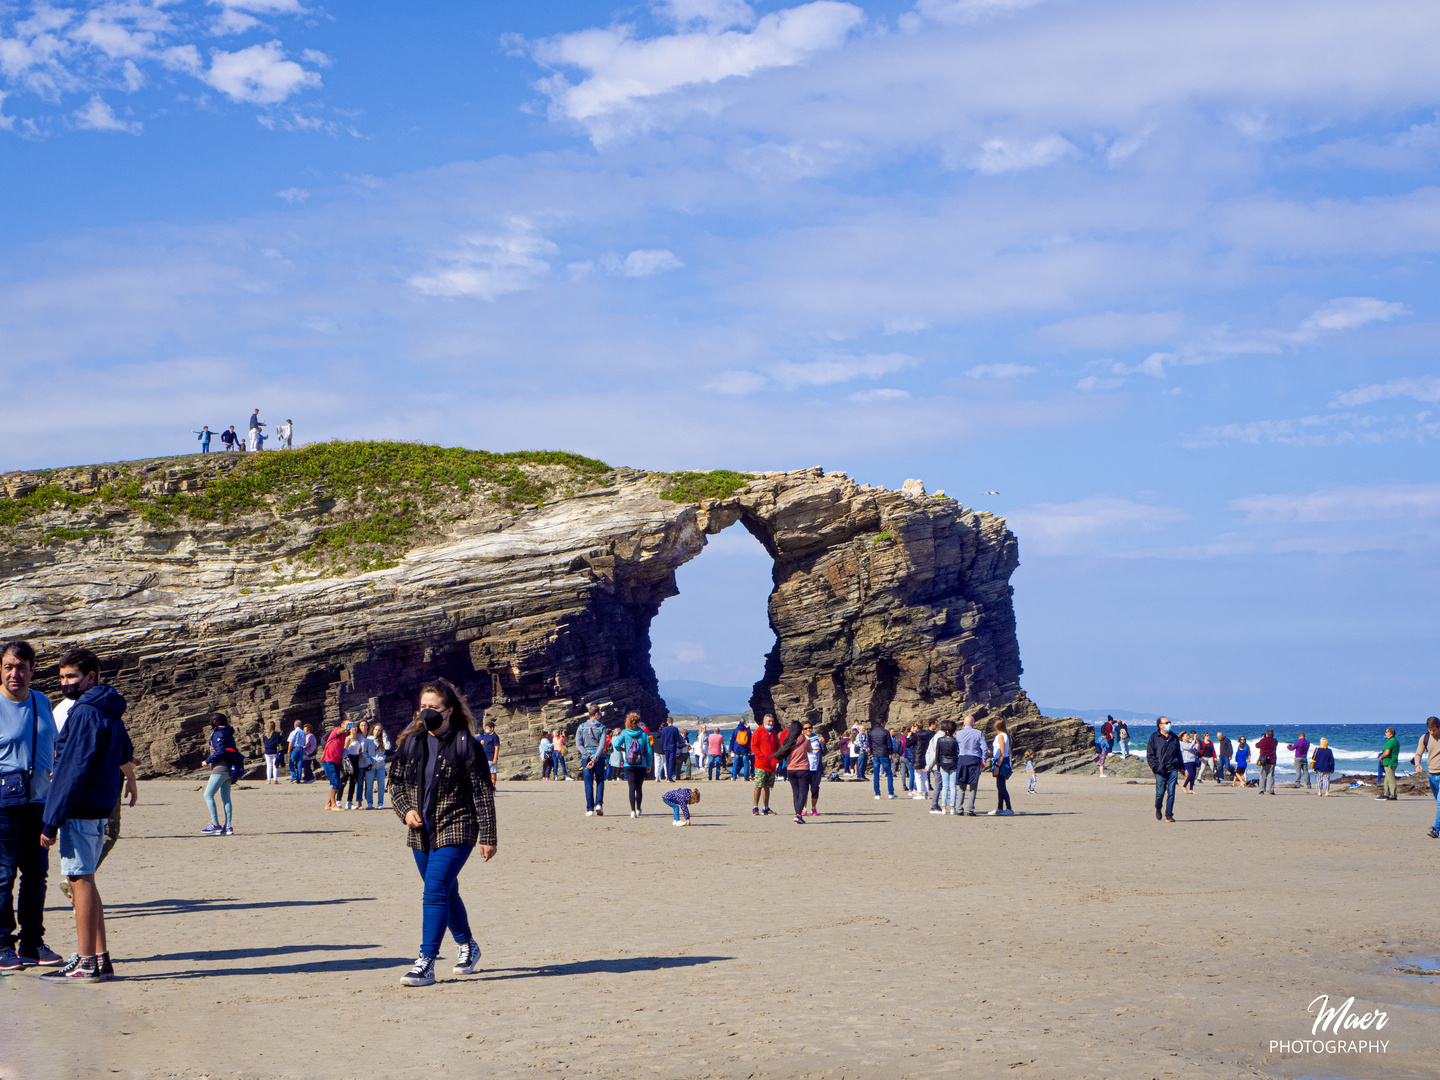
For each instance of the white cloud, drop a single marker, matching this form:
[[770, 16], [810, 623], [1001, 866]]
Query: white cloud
[[1080, 526], [621, 70], [737, 383], [6, 122], [1425, 388], [259, 74], [98, 116], [962, 11], [238, 16], [1114, 329], [293, 194], [878, 396], [645, 263], [490, 266], [998, 371], [1330, 429], [835, 369], [713, 15], [1092, 383], [1346, 313], [1379, 502], [1004, 155]]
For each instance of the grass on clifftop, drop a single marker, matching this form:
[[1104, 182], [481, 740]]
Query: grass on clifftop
[[388, 485], [695, 486]]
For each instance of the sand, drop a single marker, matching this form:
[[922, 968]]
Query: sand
[[1079, 938]]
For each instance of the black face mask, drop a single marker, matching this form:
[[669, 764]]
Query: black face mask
[[72, 691], [431, 719]]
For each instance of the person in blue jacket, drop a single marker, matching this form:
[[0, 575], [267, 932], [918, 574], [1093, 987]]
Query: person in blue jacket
[[742, 760], [672, 745], [89, 758]]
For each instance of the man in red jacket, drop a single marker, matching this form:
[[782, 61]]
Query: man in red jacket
[[764, 743]]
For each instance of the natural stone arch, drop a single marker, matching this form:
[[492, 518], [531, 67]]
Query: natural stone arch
[[885, 603]]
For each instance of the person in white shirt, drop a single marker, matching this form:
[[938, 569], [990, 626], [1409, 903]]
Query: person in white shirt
[[375, 768], [357, 754]]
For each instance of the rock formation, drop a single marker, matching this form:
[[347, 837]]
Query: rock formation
[[891, 604]]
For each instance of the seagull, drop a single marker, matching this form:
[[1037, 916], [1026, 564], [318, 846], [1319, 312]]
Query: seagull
[[992, 493]]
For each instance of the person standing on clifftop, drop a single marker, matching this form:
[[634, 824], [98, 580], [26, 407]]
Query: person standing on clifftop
[[1162, 754]]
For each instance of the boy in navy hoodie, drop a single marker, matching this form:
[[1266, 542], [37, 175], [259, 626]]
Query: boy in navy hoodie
[[92, 751]]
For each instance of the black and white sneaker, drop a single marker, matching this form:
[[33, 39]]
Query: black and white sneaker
[[467, 960], [422, 974], [42, 956], [77, 970]]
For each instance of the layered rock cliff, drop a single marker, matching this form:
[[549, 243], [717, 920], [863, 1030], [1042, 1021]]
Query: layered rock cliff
[[531, 584]]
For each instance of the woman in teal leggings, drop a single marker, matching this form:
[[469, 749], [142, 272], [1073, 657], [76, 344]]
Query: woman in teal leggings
[[222, 755]]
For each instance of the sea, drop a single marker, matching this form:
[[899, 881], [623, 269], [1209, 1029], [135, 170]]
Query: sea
[[1357, 746]]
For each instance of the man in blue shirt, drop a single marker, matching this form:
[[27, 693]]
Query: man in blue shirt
[[27, 758], [490, 743]]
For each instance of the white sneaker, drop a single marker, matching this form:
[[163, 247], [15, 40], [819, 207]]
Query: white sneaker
[[467, 960], [921, 797], [937, 811], [422, 974], [877, 798], [992, 813], [633, 814], [894, 796], [589, 813]]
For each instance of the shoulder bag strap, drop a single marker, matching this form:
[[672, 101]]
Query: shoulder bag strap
[[34, 735]]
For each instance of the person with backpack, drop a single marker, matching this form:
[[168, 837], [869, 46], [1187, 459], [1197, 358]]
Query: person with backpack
[[633, 746], [440, 787], [227, 765], [742, 762], [794, 751], [943, 760], [591, 738]]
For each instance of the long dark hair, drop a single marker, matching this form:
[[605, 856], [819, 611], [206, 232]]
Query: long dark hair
[[449, 693], [793, 734]]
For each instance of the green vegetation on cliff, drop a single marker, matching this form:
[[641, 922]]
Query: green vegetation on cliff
[[695, 486], [386, 491]]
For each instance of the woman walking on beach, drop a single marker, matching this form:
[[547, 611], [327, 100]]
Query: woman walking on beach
[[1189, 758], [1000, 754], [440, 787], [557, 750], [1242, 760], [633, 746], [1322, 764], [222, 757], [795, 753], [274, 743], [1425, 759]]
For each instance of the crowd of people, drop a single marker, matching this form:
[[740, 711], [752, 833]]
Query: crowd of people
[[253, 440]]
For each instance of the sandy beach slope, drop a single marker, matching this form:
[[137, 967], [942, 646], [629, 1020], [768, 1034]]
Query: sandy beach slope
[[1080, 938]]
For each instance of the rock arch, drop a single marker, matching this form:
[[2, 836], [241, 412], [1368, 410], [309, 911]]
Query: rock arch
[[885, 603]]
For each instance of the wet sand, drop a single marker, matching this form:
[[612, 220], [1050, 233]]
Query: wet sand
[[1079, 938]]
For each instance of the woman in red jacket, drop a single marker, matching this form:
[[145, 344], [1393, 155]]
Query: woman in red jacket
[[764, 745]]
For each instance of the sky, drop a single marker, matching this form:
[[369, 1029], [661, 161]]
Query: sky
[[1160, 275]]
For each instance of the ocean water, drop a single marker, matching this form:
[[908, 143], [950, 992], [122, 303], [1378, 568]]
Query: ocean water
[[1356, 746]]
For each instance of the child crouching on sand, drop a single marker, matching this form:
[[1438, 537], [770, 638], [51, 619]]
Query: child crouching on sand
[[1030, 771], [680, 800]]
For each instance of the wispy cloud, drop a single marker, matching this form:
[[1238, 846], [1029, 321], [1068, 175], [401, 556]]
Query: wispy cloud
[[999, 371], [488, 266], [98, 116], [1424, 388], [1089, 524], [1355, 503]]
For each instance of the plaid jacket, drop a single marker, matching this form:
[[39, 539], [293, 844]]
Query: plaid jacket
[[465, 801]]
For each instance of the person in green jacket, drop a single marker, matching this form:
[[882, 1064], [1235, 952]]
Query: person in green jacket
[[635, 762], [1389, 758]]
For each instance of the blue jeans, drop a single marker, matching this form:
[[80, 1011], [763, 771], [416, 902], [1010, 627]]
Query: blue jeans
[[946, 791], [717, 766], [373, 776], [593, 773], [441, 904], [332, 774], [1435, 790], [860, 762], [1224, 764], [560, 767], [22, 856], [219, 783], [741, 765], [1165, 787], [296, 756], [878, 764]]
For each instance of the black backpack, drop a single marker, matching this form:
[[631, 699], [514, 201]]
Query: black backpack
[[947, 752]]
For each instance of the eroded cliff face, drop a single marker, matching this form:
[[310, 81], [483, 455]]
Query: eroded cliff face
[[892, 604]]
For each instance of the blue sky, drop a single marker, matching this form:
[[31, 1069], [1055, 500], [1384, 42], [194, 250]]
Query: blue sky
[[1161, 275]]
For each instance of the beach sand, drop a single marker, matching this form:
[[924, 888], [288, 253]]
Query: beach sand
[[1080, 938]]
